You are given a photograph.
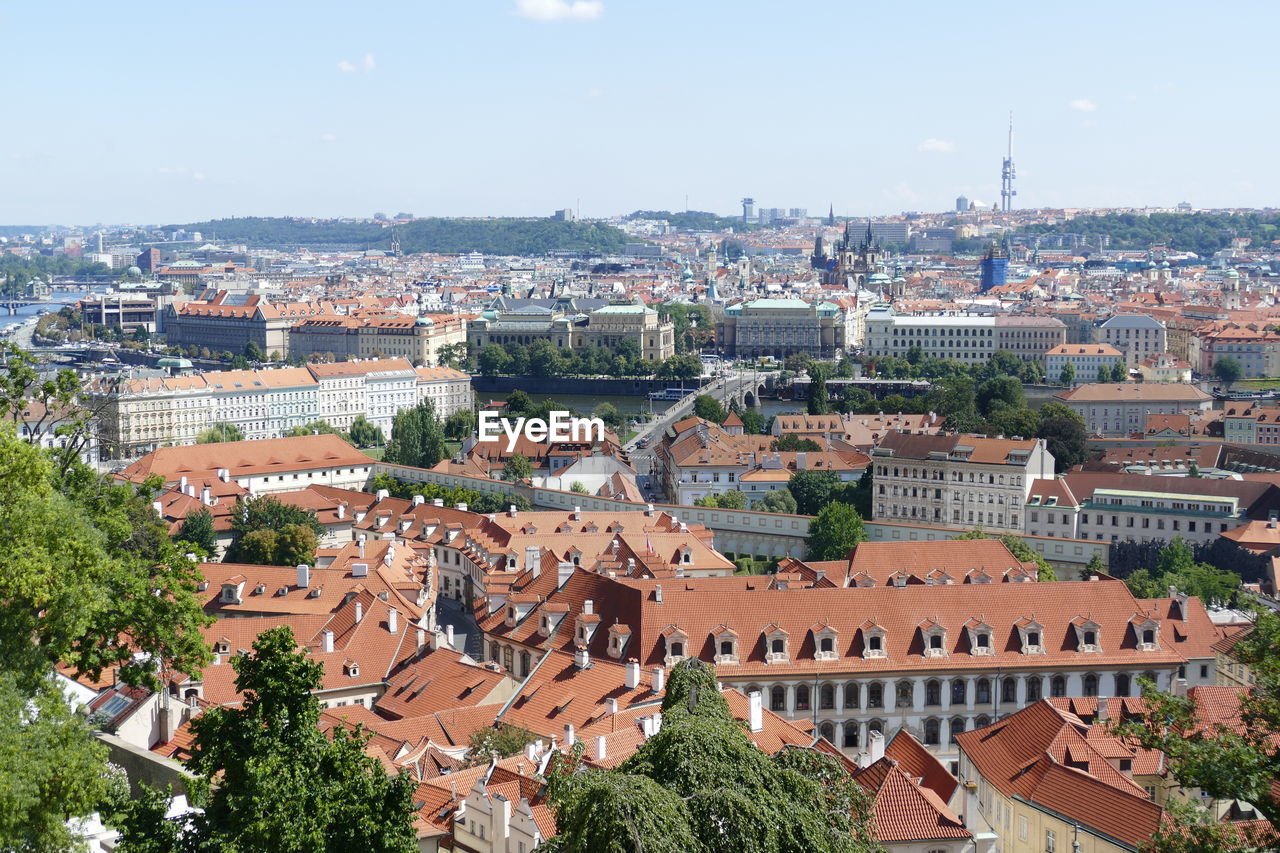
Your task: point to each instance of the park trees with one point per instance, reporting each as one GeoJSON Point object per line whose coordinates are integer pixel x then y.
{"type": "Point", "coordinates": [834, 532]}
{"type": "Point", "coordinates": [1068, 375]}
{"type": "Point", "coordinates": [417, 438]}
{"type": "Point", "coordinates": [812, 490]}
{"type": "Point", "coordinates": [197, 528]}
{"type": "Point", "coordinates": [1063, 430]}
{"type": "Point", "coordinates": [220, 432]}
{"type": "Point", "coordinates": [517, 468]}
{"type": "Point", "coordinates": [365, 434]}
{"type": "Point", "coordinates": [267, 531]}
{"type": "Point", "coordinates": [1228, 370]}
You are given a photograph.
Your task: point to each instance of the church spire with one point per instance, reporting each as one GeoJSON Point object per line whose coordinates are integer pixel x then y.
{"type": "Point", "coordinates": [831, 216]}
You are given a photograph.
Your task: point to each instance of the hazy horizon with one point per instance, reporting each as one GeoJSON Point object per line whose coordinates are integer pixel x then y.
{"type": "Point", "coordinates": [519, 107]}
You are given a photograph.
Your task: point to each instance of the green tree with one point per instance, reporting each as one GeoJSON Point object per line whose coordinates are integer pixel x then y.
{"type": "Point", "coordinates": [915, 354]}
{"type": "Point", "coordinates": [778, 500]}
{"type": "Point", "coordinates": [1068, 375]}
{"type": "Point", "coordinates": [812, 490]}
{"type": "Point", "coordinates": [417, 438]}
{"type": "Point", "coordinates": [578, 488]}
{"type": "Point", "coordinates": [518, 403]}
{"type": "Point", "coordinates": [731, 499]}
{"type": "Point", "coordinates": [265, 531]}
{"type": "Point", "coordinates": [1104, 373]}
{"type": "Point", "coordinates": [1119, 372]}
{"type": "Point", "coordinates": [1093, 567]}
{"type": "Point", "coordinates": [197, 528]}
{"type": "Point", "coordinates": [296, 544]}
{"type": "Point", "coordinates": [504, 739]}
{"type": "Point", "coordinates": [792, 441]}
{"type": "Point", "coordinates": [818, 402]}
{"type": "Point", "coordinates": [709, 408]}
{"type": "Point", "coordinates": [544, 359]}
{"type": "Point", "coordinates": [257, 547]}
{"type": "Point", "coordinates": [253, 353]}
{"type": "Point", "coordinates": [608, 413]}
{"type": "Point", "coordinates": [686, 367]}
{"type": "Point", "coordinates": [1228, 370]}
{"type": "Point", "coordinates": [269, 779]}
{"type": "Point", "coordinates": [1063, 430]}
{"type": "Point", "coordinates": [798, 362]}
{"type": "Point", "coordinates": [219, 433]}
{"type": "Point", "coordinates": [517, 468]}
{"type": "Point", "coordinates": [701, 786]}
{"type": "Point", "coordinates": [40, 406]}
{"type": "Point", "coordinates": [365, 434]}
{"type": "Point", "coordinates": [834, 532]}
{"type": "Point", "coordinates": [320, 427]}
{"type": "Point", "coordinates": [1026, 554]}
{"type": "Point", "coordinates": [459, 425]}
{"type": "Point", "coordinates": [1001, 391]}
{"type": "Point", "coordinates": [753, 422]}
{"type": "Point", "coordinates": [493, 360]}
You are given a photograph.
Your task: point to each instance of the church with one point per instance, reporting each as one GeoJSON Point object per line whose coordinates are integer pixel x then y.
{"type": "Point", "coordinates": [850, 265]}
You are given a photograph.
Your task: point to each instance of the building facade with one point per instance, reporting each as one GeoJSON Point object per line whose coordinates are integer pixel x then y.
{"type": "Point", "coordinates": [1119, 410]}
{"type": "Point", "coordinates": [1138, 336]}
{"type": "Point", "coordinates": [1085, 361]}
{"type": "Point", "coordinates": [781, 327]}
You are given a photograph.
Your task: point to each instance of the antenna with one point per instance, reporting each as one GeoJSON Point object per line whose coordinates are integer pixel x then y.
{"type": "Point", "coordinates": [1007, 174]}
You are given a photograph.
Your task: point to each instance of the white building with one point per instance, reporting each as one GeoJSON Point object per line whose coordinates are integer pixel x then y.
{"type": "Point", "coordinates": [1118, 410]}
{"type": "Point", "coordinates": [1137, 336]}
{"type": "Point", "coordinates": [1085, 360]}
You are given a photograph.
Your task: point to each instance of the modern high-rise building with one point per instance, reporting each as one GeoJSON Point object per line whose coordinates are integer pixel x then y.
{"type": "Point", "coordinates": [748, 209]}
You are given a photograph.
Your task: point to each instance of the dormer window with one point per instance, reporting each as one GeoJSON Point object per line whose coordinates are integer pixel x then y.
{"type": "Point", "coordinates": [1088, 636]}
{"type": "Point", "coordinates": [686, 556]}
{"type": "Point", "coordinates": [980, 637]}
{"type": "Point", "coordinates": [873, 640]}
{"type": "Point", "coordinates": [1031, 633]}
{"type": "Point", "coordinates": [776, 645]}
{"type": "Point", "coordinates": [1147, 632]}
{"type": "Point", "coordinates": [824, 642]}
{"type": "Point", "coordinates": [725, 642]}
{"type": "Point", "coordinates": [619, 635]}
{"type": "Point", "coordinates": [222, 647]}
{"type": "Point", "coordinates": [677, 643]}
{"type": "Point", "coordinates": [351, 668]}
{"type": "Point", "coordinates": [935, 639]}
{"type": "Point", "coordinates": [232, 592]}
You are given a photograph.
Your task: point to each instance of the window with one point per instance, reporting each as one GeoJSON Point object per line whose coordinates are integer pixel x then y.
{"type": "Point", "coordinates": [726, 648]}
{"type": "Point", "coordinates": [777, 645]}
{"type": "Point", "coordinates": [851, 692]}
{"type": "Point", "coordinates": [777, 698]}
{"type": "Point", "coordinates": [677, 649]}
{"type": "Point", "coordinates": [802, 697]}
{"type": "Point", "coordinates": [827, 698]}
{"type": "Point", "coordinates": [826, 644]}
{"type": "Point", "coordinates": [932, 732]}
{"type": "Point", "coordinates": [958, 689]}
{"type": "Point", "coordinates": [850, 734]}
{"type": "Point", "coordinates": [1034, 688]}
{"type": "Point", "coordinates": [1009, 690]}
{"type": "Point", "coordinates": [1058, 687]}
{"type": "Point", "coordinates": [1022, 828]}
{"type": "Point", "coordinates": [903, 694]}
{"type": "Point", "coordinates": [875, 695]}
{"type": "Point", "coordinates": [1050, 842]}
{"type": "Point", "coordinates": [1122, 684]}
{"type": "Point", "coordinates": [932, 693]}
{"type": "Point", "coordinates": [983, 691]}
{"type": "Point", "coordinates": [1090, 684]}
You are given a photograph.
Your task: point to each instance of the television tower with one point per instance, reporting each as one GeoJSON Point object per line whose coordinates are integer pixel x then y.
{"type": "Point", "coordinates": [1007, 174]}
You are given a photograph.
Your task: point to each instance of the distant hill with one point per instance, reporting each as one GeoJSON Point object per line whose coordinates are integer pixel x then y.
{"type": "Point", "coordinates": [449, 236]}
{"type": "Point", "coordinates": [696, 220]}
{"type": "Point", "coordinates": [1202, 233]}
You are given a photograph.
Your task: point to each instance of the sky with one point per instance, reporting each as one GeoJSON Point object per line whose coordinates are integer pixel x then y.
{"type": "Point", "coordinates": [143, 112]}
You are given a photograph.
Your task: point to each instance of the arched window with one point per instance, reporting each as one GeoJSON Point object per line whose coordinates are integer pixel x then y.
{"type": "Point", "coordinates": [826, 644]}
{"type": "Point", "coordinates": [1148, 636]}
{"type": "Point", "coordinates": [777, 645]}
{"type": "Point", "coordinates": [982, 691]}
{"type": "Point", "coordinates": [932, 692]}
{"type": "Point", "coordinates": [1009, 690]}
{"type": "Point", "coordinates": [1122, 684]}
{"type": "Point", "coordinates": [777, 698]}
{"type": "Point", "coordinates": [1057, 686]}
{"type": "Point", "coordinates": [677, 649]}
{"type": "Point", "coordinates": [827, 697]}
{"type": "Point", "coordinates": [875, 726]}
{"type": "Point", "coordinates": [851, 693]}
{"type": "Point", "coordinates": [958, 689]}
{"type": "Point", "coordinates": [875, 695]}
{"type": "Point", "coordinates": [983, 720]}
{"type": "Point", "coordinates": [1034, 688]}
{"type": "Point", "coordinates": [850, 734]}
{"type": "Point", "coordinates": [903, 694]}
{"type": "Point", "coordinates": [1090, 684]}
{"type": "Point", "coordinates": [828, 731]}
{"type": "Point", "coordinates": [956, 727]}
{"type": "Point", "coordinates": [932, 732]}
{"type": "Point", "coordinates": [802, 697]}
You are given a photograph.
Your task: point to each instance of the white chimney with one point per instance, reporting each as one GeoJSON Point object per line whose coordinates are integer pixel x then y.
{"type": "Point", "coordinates": [1180, 687]}
{"type": "Point", "coordinates": [342, 509]}
{"type": "Point", "coordinates": [532, 556]}
{"type": "Point", "coordinates": [326, 639]}
{"type": "Point", "coordinates": [577, 513]}
{"type": "Point", "coordinates": [588, 607]}
{"type": "Point", "coordinates": [755, 711]}
{"type": "Point", "coordinates": [448, 635]}
{"type": "Point", "coordinates": [569, 739]}
{"type": "Point", "coordinates": [360, 546]}
{"type": "Point", "coordinates": [581, 658]}
{"type": "Point", "coordinates": [875, 747]}
{"type": "Point", "coordinates": [1103, 710]}
{"type": "Point", "coordinates": [158, 507]}
{"type": "Point", "coordinates": [563, 572]}
{"type": "Point", "coordinates": [531, 751]}
{"type": "Point", "coordinates": [633, 675]}
{"type": "Point", "coordinates": [360, 570]}
{"type": "Point", "coordinates": [437, 501]}
{"type": "Point", "coordinates": [461, 506]}
{"type": "Point", "coordinates": [359, 612]}
{"type": "Point", "coordinates": [206, 496]}
{"type": "Point", "coordinates": [612, 704]}
{"type": "Point", "coordinates": [420, 638]}
{"type": "Point", "coordinates": [648, 509]}
{"type": "Point", "coordinates": [657, 593]}
{"type": "Point", "coordinates": [182, 483]}
{"type": "Point", "coordinates": [659, 679]}
{"type": "Point", "coordinates": [600, 746]}
{"type": "Point", "coordinates": [511, 510]}
{"type": "Point", "coordinates": [383, 494]}
{"type": "Point", "coordinates": [224, 474]}
{"type": "Point", "coordinates": [393, 621]}
{"type": "Point", "coordinates": [419, 500]}
{"type": "Point", "coordinates": [304, 576]}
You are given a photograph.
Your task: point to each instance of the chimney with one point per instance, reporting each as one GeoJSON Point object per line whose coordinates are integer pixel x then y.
{"type": "Point", "coordinates": [461, 506]}
{"type": "Point", "coordinates": [420, 638]}
{"type": "Point", "coordinates": [633, 675]}
{"type": "Point", "coordinates": [437, 501]}
{"type": "Point", "coordinates": [206, 496]}
{"type": "Point", "coordinates": [360, 546]}
{"type": "Point", "coordinates": [1103, 711]}
{"type": "Point", "coordinates": [1180, 687]}
{"type": "Point", "coordinates": [600, 746]}
{"type": "Point", "coordinates": [326, 641]}
{"type": "Point", "coordinates": [158, 507]}
{"type": "Point", "coordinates": [304, 576]}
{"type": "Point", "coordinates": [448, 635]}
{"type": "Point", "coordinates": [224, 474]}
{"type": "Point", "coordinates": [511, 510]}
{"type": "Point", "coordinates": [648, 509]}
{"type": "Point", "coordinates": [875, 747]}
{"type": "Point", "coordinates": [657, 593]}
{"type": "Point", "coordinates": [359, 612]}
{"type": "Point", "coordinates": [611, 704]}
{"type": "Point", "coordinates": [531, 751]}
{"type": "Point", "coordinates": [577, 513]}
{"type": "Point", "coordinates": [532, 557]}
{"type": "Point", "coordinates": [182, 484]}
{"type": "Point", "coordinates": [342, 509]}
{"type": "Point", "coordinates": [393, 621]}
{"type": "Point", "coordinates": [569, 738]}
{"type": "Point", "coordinates": [419, 500]}
{"type": "Point", "coordinates": [755, 711]}
{"type": "Point", "coordinates": [588, 607]}
{"type": "Point", "coordinates": [383, 494]}
{"type": "Point", "coordinates": [360, 570]}
{"type": "Point", "coordinates": [659, 679]}
{"type": "Point", "coordinates": [802, 461]}
{"type": "Point", "coordinates": [563, 572]}
{"type": "Point", "coordinates": [582, 658]}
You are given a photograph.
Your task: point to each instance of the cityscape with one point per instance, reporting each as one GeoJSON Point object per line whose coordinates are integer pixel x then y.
{"type": "Point", "coordinates": [640, 482]}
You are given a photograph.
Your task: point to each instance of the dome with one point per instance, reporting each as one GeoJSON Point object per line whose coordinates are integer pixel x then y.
{"type": "Point", "coordinates": [133, 271]}
{"type": "Point", "coordinates": [1232, 273]}
{"type": "Point", "coordinates": [878, 277]}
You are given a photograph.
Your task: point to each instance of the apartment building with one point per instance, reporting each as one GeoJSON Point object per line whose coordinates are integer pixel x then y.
{"type": "Point", "coordinates": [138, 415]}
{"type": "Point", "coordinates": [1116, 507]}
{"type": "Point", "coordinates": [448, 390]}
{"type": "Point", "coordinates": [967, 338]}
{"type": "Point", "coordinates": [1138, 336]}
{"type": "Point", "coordinates": [377, 389]}
{"type": "Point", "coordinates": [1119, 410]}
{"type": "Point", "coordinates": [227, 322]}
{"type": "Point", "coordinates": [1029, 337]}
{"type": "Point", "coordinates": [264, 403]}
{"type": "Point", "coordinates": [956, 481]}
{"type": "Point", "coordinates": [1165, 367]}
{"type": "Point", "coordinates": [1256, 348]}
{"type": "Point", "coordinates": [1085, 359]}
{"type": "Point", "coordinates": [129, 312]}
